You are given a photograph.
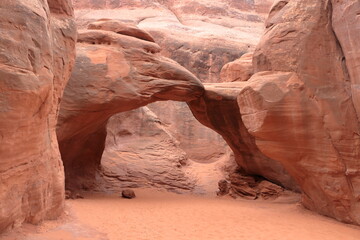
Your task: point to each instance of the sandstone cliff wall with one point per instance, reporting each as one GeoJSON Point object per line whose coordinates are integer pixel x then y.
{"type": "Point", "coordinates": [37, 50]}
{"type": "Point", "coordinates": [300, 106]}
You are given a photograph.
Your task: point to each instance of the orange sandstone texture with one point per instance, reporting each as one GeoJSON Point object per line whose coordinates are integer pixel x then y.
{"type": "Point", "coordinates": [300, 106]}
{"type": "Point", "coordinates": [218, 109]}
{"type": "Point", "coordinates": [141, 151]}
{"type": "Point", "coordinates": [309, 121]}
{"type": "Point", "coordinates": [37, 49]}
{"type": "Point", "coordinates": [113, 73]}
{"type": "Point", "coordinates": [239, 70]}
{"type": "Point", "coordinates": [201, 35]}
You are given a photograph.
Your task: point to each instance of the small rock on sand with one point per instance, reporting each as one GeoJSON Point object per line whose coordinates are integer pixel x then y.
{"type": "Point", "coordinates": [128, 193]}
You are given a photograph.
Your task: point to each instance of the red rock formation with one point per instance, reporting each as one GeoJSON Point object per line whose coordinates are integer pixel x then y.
{"type": "Point", "coordinates": [200, 143]}
{"type": "Point", "coordinates": [37, 49]}
{"type": "Point", "coordinates": [218, 109]}
{"type": "Point", "coordinates": [141, 151]}
{"type": "Point", "coordinates": [345, 22]}
{"type": "Point", "coordinates": [300, 106]}
{"type": "Point", "coordinates": [238, 70]}
{"type": "Point", "coordinates": [298, 112]}
{"type": "Point", "coordinates": [113, 73]}
{"type": "Point", "coordinates": [121, 28]}
{"type": "Point", "coordinates": [162, 145]}
{"type": "Point", "coordinates": [200, 35]}
{"type": "Point", "coordinates": [309, 110]}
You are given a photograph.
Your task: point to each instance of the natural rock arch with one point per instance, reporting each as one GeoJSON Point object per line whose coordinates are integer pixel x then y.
{"type": "Point", "coordinates": [300, 107]}
{"type": "Point", "coordinates": [327, 95]}
{"type": "Point", "coordinates": [113, 73]}
{"type": "Point", "coordinates": [271, 111]}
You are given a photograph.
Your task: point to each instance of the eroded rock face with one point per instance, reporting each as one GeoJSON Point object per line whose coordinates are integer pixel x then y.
{"type": "Point", "coordinates": [310, 124]}
{"type": "Point", "coordinates": [200, 35]}
{"type": "Point", "coordinates": [218, 109]}
{"type": "Point", "coordinates": [345, 22]}
{"type": "Point", "coordinates": [252, 187]}
{"type": "Point", "coordinates": [200, 143]}
{"type": "Point", "coordinates": [300, 105]}
{"type": "Point", "coordinates": [141, 151]}
{"type": "Point", "coordinates": [37, 49]}
{"type": "Point", "coordinates": [113, 73]}
{"type": "Point", "coordinates": [239, 70]}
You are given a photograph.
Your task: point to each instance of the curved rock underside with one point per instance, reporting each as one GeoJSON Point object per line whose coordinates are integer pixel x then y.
{"type": "Point", "coordinates": [218, 109]}
{"type": "Point", "coordinates": [200, 35]}
{"type": "Point", "coordinates": [37, 50]}
{"type": "Point", "coordinates": [144, 150]}
{"type": "Point", "coordinates": [113, 73]}
{"type": "Point", "coordinates": [300, 107]}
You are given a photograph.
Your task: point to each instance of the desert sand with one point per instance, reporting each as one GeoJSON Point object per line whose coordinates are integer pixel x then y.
{"type": "Point", "coordinates": [158, 214]}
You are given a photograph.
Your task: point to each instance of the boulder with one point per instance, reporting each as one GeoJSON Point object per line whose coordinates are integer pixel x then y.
{"type": "Point", "coordinates": [128, 193]}
{"type": "Point", "coordinates": [223, 187]}
{"type": "Point", "coordinates": [252, 187]}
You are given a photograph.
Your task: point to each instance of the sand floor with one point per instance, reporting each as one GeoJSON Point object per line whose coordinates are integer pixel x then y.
{"type": "Point", "coordinates": [162, 215]}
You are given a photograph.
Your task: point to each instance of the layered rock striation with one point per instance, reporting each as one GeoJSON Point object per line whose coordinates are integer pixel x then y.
{"type": "Point", "coordinates": [218, 109]}
{"type": "Point", "coordinates": [141, 151]}
{"type": "Point", "coordinates": [37, 51]}
{"type": "Point", "coordinates": [200, 35]}
{"type": "Point", "coordinates": [113, 73]}
{"type": "Point", "coordinates": [294, 121]}
{"type": "Point", "coordinates": [300, 108]}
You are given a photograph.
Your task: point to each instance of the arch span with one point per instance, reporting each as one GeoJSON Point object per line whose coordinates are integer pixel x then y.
{"type": "Point", "coordinates": [113, 73]}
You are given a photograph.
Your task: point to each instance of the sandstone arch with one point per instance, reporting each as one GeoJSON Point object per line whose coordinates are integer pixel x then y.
{"type": "Point", "coordinates": [113, 73]}
{"type": "Point", "coordinates": [300, 106]}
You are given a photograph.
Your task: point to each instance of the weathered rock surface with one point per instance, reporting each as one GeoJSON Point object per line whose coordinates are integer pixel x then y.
{"type": "Point", "coordinates": [299, 107]}
{"type": "Point", "coordinates": [113, 73]}
{"type": "Point", "coordinates": [37, 49]}
{"type": "Point", "coordinates": [144, 150]}
{"type": "Point", "coordinates": [140, 151]}
{"type": "Point", "coordinates": [200, 35]}
{"type": "Point", "coordinates": [306, 119]}
{"type": "Point", "coordinates": [345, 22]}
{"type": "Point", "coordinates": [239, 70]}
{"type": "Point", "coordinates": [200, 143]}
{"type": "Point", "coordinates": [218, 109]}
{"type": "Point", "coordinates": [252, 187]}
{"type": "Point", "coordinates": [224, 188]}
{"type": "Point", "coordinates": [121, 28]}
{"type": "Point", "coordinates": [128, 193]}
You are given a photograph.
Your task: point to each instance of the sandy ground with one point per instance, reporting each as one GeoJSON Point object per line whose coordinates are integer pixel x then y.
{"type": "Point", "coordinates": [162, 215]}
{"type": "Point", "coordinates": [207, 175]}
